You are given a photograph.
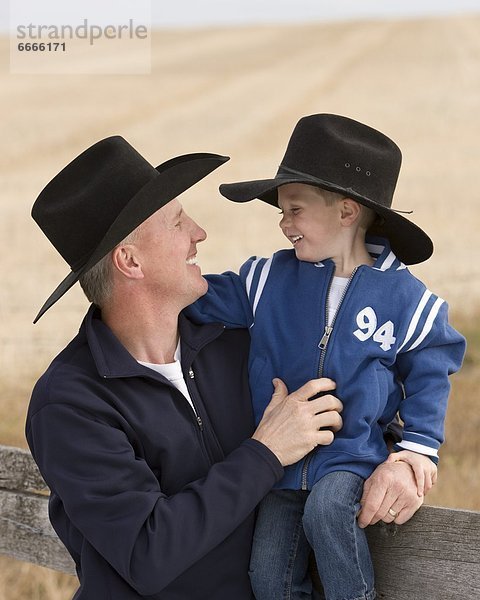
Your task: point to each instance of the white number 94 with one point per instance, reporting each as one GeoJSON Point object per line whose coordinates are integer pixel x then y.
{"type": "Point", "coordinates": [367, 327]}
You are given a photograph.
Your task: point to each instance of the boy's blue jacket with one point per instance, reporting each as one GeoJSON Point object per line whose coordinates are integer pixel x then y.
{"type": "Point", "coordinates": [391, 349]}
{"type": "Point", "coordinates": [151, 499]}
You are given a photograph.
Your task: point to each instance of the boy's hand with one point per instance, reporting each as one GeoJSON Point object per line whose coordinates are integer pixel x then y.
{"type": "Point", "coordinates": [424, 468]}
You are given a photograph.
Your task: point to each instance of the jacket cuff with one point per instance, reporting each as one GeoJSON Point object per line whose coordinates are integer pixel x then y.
{"type": "Point", "coordinates": [393, 432]}
{"type": "Point", "coordinates": [267, 456]}
{"type": "Point", "coordinates": [398, 448]}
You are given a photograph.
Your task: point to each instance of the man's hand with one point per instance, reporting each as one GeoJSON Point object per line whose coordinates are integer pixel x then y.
{"type": "Point", "coordinates": [424, 469]}
{"type": "Point", "coordinates": [389, 494]}
{"type": "Point", "coordinates": [292, 425]}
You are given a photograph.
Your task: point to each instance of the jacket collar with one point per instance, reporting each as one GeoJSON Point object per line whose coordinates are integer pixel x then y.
{"type": "Point", "coordinates": [379, 249]}
{"type": "Point", "coordinates": [113, 360]}
{"type": "Point", "coordinates": [385, 259]}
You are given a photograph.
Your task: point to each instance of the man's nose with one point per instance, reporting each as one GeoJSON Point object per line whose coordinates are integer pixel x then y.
{"type": "Point", "coordinates": [199, 234]}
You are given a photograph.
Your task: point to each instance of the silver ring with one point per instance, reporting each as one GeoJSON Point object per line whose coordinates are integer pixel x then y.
{"type": "Point", "coordinates": [392, 512]}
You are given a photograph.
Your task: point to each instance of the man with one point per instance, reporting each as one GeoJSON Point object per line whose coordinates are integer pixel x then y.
{"type": "Point", "coordinates": [142, 426]}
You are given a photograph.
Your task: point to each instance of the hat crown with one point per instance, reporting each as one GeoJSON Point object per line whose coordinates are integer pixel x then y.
{"type": "Point", "coordinates": [77, 207]}
{"type": "Point", "coordinates": [341, 155]}
{"type": "Point", "coordinates": [345, 153]}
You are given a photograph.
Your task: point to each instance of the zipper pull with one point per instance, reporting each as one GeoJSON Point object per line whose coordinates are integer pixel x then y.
{"type": "Point", "coordinates": [326, 336]}
{"type": "Point", "coordinates": [200, 422]}
{"type": "Point", "coordinates": [191, 374]}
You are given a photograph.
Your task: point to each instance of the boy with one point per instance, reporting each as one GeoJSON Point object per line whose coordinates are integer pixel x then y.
{"type": "Point", "coordinates": [341, 304]}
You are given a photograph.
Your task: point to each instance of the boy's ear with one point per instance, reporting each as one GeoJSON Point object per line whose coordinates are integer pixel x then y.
{"type": "Point", "coordinates": [349, 212]}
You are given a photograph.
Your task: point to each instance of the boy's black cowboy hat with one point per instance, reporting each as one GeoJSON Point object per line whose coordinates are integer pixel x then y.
{"type": "Point", "coordinates": [344, 156]}
{"type": "Point", "coordinates": [103, 195]}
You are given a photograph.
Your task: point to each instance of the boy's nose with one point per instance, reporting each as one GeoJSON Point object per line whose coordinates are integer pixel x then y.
{"type": "Point", "coordinates": [283, 221]}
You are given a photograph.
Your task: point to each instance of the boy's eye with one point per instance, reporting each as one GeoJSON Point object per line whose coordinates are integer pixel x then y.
{"type": "Point", "coordinates": [292, 211]}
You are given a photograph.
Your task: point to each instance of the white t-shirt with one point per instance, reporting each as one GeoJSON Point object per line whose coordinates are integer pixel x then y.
{"type": "Point", "coordinates": [337, 288]}
{"type": "Point", "coordinates": [172, 372]}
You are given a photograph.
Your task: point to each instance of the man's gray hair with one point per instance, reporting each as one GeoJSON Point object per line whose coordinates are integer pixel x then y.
{"type": "Point", "coordinates": [97, 282]}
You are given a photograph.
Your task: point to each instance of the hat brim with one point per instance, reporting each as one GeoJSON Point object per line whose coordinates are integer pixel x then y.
{"type": "Point", "coordinates": [408, 241]}
{"type": "Point", "coordinates": [174, 177]}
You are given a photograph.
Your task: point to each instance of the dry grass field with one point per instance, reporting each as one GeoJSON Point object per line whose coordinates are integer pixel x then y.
{"type": "Point", "coordinates": [240, 92]}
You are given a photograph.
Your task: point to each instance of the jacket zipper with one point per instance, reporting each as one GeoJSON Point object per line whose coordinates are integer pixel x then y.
{"type": "Point", "coordinates": [198, 418]}
{"type": "Point", "coordinates": [211, 438]}
{"type": "Point", "coordinates": [323, 351]}
{"type": "Point", "coordinates": [329, 328]}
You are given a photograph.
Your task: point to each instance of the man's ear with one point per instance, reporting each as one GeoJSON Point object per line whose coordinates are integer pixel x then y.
{"type": "Point", "coordinates": [125, 260]}
{"type": "Point", "coordinates": [349, 212]}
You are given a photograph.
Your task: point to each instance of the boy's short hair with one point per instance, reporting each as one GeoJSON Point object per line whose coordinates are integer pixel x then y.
{"type": "Point", "coordinates": [329, 197]}
{"type": "Point", "coordinates": [367, 216]}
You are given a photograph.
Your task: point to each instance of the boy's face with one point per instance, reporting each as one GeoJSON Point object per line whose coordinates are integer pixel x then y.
{"type": "Point", "coordinates": [309, 222]}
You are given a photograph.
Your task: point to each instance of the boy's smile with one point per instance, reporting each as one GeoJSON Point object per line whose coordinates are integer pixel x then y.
{"type": "Point", "coordinates": [295, 238]}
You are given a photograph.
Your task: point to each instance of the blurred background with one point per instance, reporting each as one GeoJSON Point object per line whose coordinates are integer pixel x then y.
{"type": "Point", "coordinates": [234, 78]}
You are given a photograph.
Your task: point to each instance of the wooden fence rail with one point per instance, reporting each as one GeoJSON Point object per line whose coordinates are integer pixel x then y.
{"type": "Point", "coordinates": [435, 556]}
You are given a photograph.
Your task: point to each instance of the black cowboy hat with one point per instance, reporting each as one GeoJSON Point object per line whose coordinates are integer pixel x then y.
{"type": "Point", "coordinates": [342, 155]}
{"type": "Point", "coordinates": [103, 195]}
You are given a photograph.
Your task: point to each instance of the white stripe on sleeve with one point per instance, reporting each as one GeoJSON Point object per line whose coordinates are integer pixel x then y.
{"type": "Point", "coordinates": [419, 448]}
{"type": "Point", "coordinates": [416, 317]}
{"type": "Point", "coordinates": [261, 283]}
{"type": "Point", "coordinates": [428, 323]}
{"type": "Point", "coordinates": [251, 273]}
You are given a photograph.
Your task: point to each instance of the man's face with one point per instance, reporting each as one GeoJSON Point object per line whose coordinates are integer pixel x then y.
{"type": "Point", "coordinates": [167, 249]}
{"type": "Point", "coordinates": [310, 223]}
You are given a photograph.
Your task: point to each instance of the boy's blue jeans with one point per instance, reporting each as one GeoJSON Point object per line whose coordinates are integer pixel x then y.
{"type": "Point", "coordinates": [291, 522]}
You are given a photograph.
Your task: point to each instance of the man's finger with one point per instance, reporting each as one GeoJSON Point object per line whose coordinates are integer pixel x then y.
{"type": "Point", "coordinates": [390, 503]}
{"type": "Point", "coordinates": [370, 502]}
{"type": "Point", "coordinates": [313, 387]}
{"type": "Point", "coordinates": [407, 512]}
{"type": "Point", "coordinates": [325, 404]}
{"type": "Point", "coordinates": [324, 437]}
{"type": "Point", "coordinates": [280, 390]}
{"type": "Point", "coordinates": [330, 419]}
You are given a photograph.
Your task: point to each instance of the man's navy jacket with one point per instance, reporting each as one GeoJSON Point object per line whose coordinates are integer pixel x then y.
{"type": "Point", "coordinates": [151, 499]}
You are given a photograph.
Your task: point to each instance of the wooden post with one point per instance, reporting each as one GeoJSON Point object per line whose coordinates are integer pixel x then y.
{"type": "Point", "coordinates": [25, 531]}
{"type": "Point", "coordinates": [435, 556]}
